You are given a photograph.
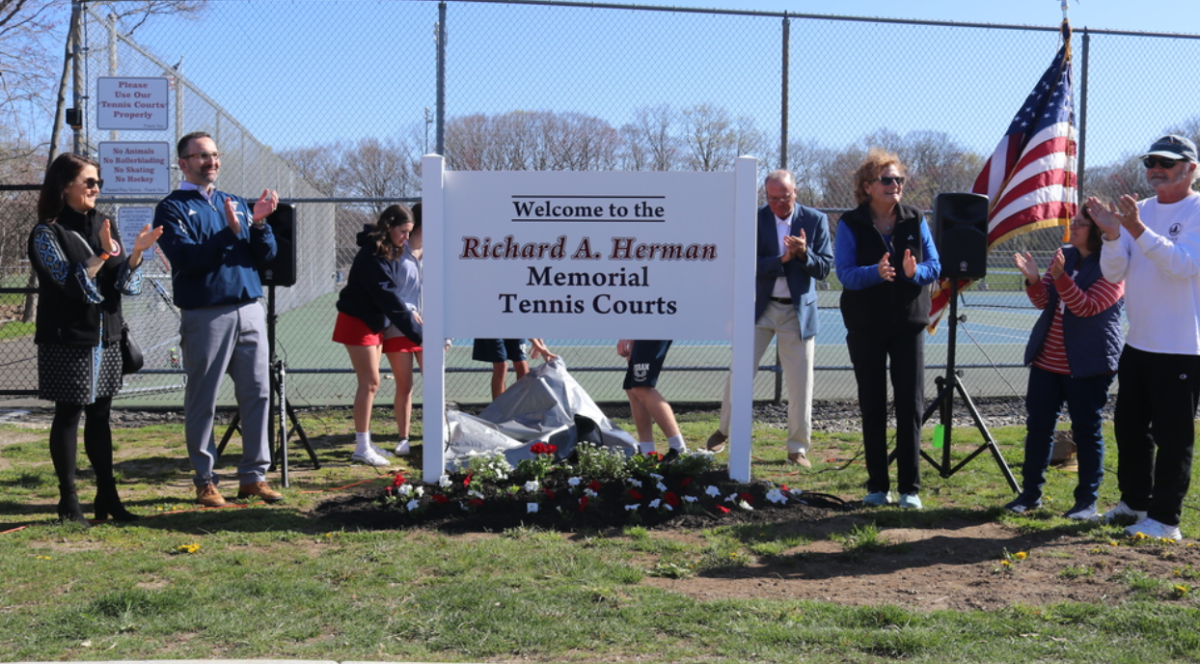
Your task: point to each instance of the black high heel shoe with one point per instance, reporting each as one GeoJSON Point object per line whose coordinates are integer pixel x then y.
{"type": "Point", "coordinates": [68, 510]}
{"type": "Point", "coordinates": [108, 503]}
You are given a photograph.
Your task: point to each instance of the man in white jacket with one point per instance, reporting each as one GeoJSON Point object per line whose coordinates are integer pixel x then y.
{"type": "Point", "coordinates": [1154, 245]}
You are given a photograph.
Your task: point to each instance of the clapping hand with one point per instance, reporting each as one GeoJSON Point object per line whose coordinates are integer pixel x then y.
{"type": "Point", "coordinates": [1106, 217]}
{"type": "Point", "coordinates": [885, 268]}
{"type": "Point", "coordinates": [910, 264]}
{"type": "Point", "coordinates": [1028, 267]}
{"type": "Point", "coordinates": [146, 238]}
{"type": "Point", "coordinates": [1057, 264]}
{"type": "Point", "coordinates": [265, 205]}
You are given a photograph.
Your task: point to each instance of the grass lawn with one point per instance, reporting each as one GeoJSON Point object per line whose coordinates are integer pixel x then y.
{"type": "Point", "coordinates": [256, 581]}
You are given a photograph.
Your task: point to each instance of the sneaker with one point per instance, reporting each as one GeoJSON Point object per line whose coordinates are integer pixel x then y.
{"type": "Point", "coordinates": [380, 451]}
{"type": "Point", "coordinates": [671, 455]}
{"type": "Point", "coordinates": [261, 490]}
{"type": "Point", "coordinates": [716, 442]}
{"type": "Point", "coordinates": [1083, 513]}
{"type": "Point", "coordinates": [370, 458]}
{"type": "Point", "coordinates": [403, 448]}
{"type": "Point", "coordinates": [1123, 512]}
{"type": "Point", "coordinates": [800, 459]}
{"type": "Point", "coordinates": [1154, 530]}
{"type": "Point", "coordinates": [208, 496]}
{"type": "Point", "coordinates": [1022, 505]}
{"type": "Point", "coordinates": [910, 501]}
{"type": "Point", "coordinates": [878, 499]}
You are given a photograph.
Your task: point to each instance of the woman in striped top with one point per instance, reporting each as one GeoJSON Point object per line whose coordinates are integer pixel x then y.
{"type": "Point", "coordinates": [1073, 353]}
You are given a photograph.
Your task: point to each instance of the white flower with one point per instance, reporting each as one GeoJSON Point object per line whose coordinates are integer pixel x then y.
{"type": "Point", "coordinates": [731, 498]}
{"type": "Point", "coordinates": [776, 496]}
{"type": "Point", "coordinates": [669, 508]}
{"type": "Point", "coordinates": [661, 487]}
{"type": "Point", "coordinates": [531, 486]}
{"type": "Point", "coordinates": [656, 476]}
{"type": "Point", "coordinates": [690, 499]}
{"type": "Point", "coordinates": [420, 491]}
{"type": "Point", "coordinates": [589, 493]}
{"type": "Point", "coordinates": [574, 481]}
{"type": "Point", "coordinates": [630, 508]}
{"type": "Point", "coordinates": [712, 491]}
{"type": "Point", "coordinates": [655, 503]}
{"type": "Point", "coordinates": [531, 507]}
{"type": "Point", "coordinates": [745, 505]}
{"type": "Point", "coordinates": [635, 482]}
{"type": "Point", "coordinates": [444, 481]}
{"type": "Point", "coordinates": [474, 494]}
{"type": "Point", "coordinates": [412, 505]}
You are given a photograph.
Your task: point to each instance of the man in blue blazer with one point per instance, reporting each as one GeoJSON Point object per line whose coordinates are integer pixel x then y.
{"type": "Point", "coordinates": [794, 250]}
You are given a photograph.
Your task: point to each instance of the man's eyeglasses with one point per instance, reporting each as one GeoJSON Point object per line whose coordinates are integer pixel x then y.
{"type": "Point", "coordinates": [889, 181]}
{"type": "Point", "coordinates": [1165, 162]}
{"type": "Point", "coordinates": [781, 199]}
{"type": "Point", "coordinates": [93, 182]}
{"type": "Point", "coordinates": [205, 156]}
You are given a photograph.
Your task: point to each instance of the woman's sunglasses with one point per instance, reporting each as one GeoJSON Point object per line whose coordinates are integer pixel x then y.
{"type": "Point", "coordinates": [889, 181]}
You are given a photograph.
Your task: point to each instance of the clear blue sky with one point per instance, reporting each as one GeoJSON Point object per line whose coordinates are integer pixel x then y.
{"type": "Point", "coordinates": [314, 76]}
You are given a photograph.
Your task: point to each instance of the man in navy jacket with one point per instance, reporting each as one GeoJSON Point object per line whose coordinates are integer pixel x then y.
{"type": "Point", "coordinates": [216, 242]}
{"type": "Point", "coordinates": [794, 250]}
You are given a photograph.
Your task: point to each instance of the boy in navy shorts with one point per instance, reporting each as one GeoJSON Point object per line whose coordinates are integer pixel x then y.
{"type": "Point", "coordinates": [647, 406]}
{"type": "Point", "coordinates": [500, 351]}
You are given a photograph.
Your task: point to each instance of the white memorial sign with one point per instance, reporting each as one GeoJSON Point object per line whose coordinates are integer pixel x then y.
{"type": "Point", "coordinates": [135, 167]}
{"type": "Point", "coordinates": [132, 103]}
{"type": "Point", "coordinates": [586, 255]}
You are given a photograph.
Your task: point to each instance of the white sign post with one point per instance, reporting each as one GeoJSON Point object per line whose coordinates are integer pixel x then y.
{"type": "Point", "coordinates": [132, 103]}
{"type": "Point", "coordinates": [135, 167]}
{"type": "Point", "coordinates": [632, 255]}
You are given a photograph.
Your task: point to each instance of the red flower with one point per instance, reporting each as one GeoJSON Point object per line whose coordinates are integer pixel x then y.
{"type": "Point", "coordinates": [746, 497]}
{"type": "Point", "coordinates": [467, 480]}
{"type": "Point", "coordinates": [654, 455]}
{"type": "Point", "coordinates": [671, 499]}
{"type": "Point", "coordinates": [583, 503]}
{"type": "Point", "coordinates": [724, 510]}
{"type": "Point", "coordinates": [594, 485]}
{"type": "Point", "coordinates": [686, 481]}
{"type": "Point", "coordinates": [549, 493]}
{"type": "Point", "coordinates": [440, 499]}
{"type": "Point", "coordinates": [478, 502]}
{"type": "Point", "coordinates": [784, 487]}
{"type": "Point", "coordinates": [543, 448]}
{"type": "Point", "coordinates": [635, 495]}
{"type": "Point", "coordinates": [398, 480]}
{"type": "Point", "coordinates": [389, 491]}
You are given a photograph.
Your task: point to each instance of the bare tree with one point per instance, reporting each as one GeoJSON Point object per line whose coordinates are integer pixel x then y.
{"type": "Point", "coordinates": [321, 167]}
{"type": "Point", "coordinates": [381, 169]}
{"type": "Point", "coordinates": [649, 144]}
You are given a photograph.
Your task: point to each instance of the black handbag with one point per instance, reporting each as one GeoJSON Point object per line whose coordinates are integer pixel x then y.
{"type": "Point", "coordinates": [131, 356]}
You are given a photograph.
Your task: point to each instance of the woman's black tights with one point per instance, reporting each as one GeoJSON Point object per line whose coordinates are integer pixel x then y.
{"type": "Point", "coordinates": [97, 442]}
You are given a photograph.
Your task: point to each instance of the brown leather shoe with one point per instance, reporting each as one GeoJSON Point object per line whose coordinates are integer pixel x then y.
{"type": "Point", "coordinates": [800, 459]}
{"type": "Point", "coordinates": [261, 490]}
{"type": "Point", "coordinates": [716, 442]}
{"type": "Point", "coordinates": [208, 496]}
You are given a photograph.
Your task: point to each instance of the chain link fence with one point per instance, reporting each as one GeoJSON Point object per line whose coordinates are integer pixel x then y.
{"type": "Point", "coordinates": [575, 86]}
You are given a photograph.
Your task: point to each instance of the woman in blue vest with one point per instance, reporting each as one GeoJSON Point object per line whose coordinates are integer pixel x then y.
{"type": "Point", "coordinates": [82, 271]}
{"type": "Point", "coordinates": [886, 260]}
{"type": "Point", "coordinates": [1072, 356]}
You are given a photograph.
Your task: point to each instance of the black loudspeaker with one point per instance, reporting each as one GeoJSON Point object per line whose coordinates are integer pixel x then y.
{"type": "Point", "coordinates": [281, 270]}
{"type": "Point", "coordinates": [960, 228]}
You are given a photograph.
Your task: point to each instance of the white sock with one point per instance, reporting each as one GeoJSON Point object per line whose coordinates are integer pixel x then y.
{"type": "Point", "coordinates": [362, 442]}
{"type": "Point", "coordinates": [646, 447]}
{"type": "Point", "coordinates": [676, 443]}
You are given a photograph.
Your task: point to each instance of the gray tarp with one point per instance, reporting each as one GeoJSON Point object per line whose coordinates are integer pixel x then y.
{"type": "Point", "coordinates": [546, 405]}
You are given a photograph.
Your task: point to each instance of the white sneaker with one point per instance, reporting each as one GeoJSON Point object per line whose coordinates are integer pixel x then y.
{"type": "Point", "coordinates": [1123, 511]}
{"type": "Point", "coordinates": [403, 449]}
{"type": "Point", "coordinates": [370, 458]}
{"type": "Point", "coordinates": [1154, 530]}
{"type": "Point", "coordinates": [381, 452]}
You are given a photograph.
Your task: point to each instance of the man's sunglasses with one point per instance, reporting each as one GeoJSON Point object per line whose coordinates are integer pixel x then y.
{"type": "Point", "coordinates": [1165, 162]}
{"type": "Point", "coordinates": [889, 181]}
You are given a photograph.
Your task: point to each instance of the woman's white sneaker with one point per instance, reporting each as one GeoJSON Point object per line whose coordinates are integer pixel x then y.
{"type": "Point", "coordinates": [370, 458]}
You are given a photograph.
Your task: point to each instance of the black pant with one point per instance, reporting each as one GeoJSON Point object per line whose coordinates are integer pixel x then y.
{"type": "Point", "coordinates": [1156, 409]}
{"type": "Point", "coordinates": [97, 441]}
{"type": "Point", "coordinates": [869, 353]}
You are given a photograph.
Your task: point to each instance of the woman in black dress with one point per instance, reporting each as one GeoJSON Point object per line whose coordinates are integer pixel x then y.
{"type": "Point", "coordinates": [82, 271]}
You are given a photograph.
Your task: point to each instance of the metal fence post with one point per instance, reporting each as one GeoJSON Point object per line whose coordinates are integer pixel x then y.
{"type": "Point", "coordinates": [783, 94]}
{"type": "Point", "coordinates": [1083, 95]}
{"type": "Point", "coordinates": [441, 79]}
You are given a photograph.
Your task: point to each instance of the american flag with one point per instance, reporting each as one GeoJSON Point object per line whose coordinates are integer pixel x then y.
{"type": "Point", "coordinates": [1030, 177]}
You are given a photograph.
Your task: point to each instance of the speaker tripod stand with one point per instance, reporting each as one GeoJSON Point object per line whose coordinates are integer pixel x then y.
{"type": "Point", "coordinates": [948, 385]}
{"type": "Point", "coordinates": [279, 410]}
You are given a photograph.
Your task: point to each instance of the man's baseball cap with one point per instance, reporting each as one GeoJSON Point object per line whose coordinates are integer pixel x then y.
{"type": "Point", "coordinates": [1173, 147]}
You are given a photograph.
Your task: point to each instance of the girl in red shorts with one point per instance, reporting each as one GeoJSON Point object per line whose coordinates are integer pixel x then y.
{"type": "Point", "coordinates": [378, 314]}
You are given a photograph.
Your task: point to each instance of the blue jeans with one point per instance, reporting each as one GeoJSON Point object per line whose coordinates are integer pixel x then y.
{"type": "Point", "coordinates": [1085, 398]}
